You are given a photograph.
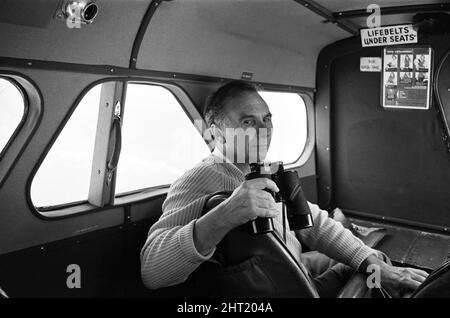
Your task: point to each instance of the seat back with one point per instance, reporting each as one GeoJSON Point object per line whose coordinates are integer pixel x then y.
{"type": "Point", "coordinates": [247, 265]}
{"type": "Point", "coordinates": [437, 284]}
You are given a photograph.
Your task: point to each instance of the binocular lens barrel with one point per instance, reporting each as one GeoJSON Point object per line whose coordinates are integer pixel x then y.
{"type": "Point", "coordinates": [299, 214]}
{"type": "Point", "coordinates": [291, 193]}
{"type": "Point", "coordinates": [261, 226]}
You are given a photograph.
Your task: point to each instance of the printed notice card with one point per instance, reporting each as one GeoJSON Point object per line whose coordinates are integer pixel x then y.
{"type": "Point", "coordinates": [406, 77]}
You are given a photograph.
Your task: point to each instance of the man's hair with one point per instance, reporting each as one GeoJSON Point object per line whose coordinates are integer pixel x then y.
{"type": "Point", "coordinates": [215, 103]}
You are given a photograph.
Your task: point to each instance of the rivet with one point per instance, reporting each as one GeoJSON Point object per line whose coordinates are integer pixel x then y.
{"type": "Point", "coordinates": [326, 107]}
{"type": "Point", "coordinates": [327, 148]}
{"type": "Point", "coordinates": [30, 63]}
{"type": "Point", "coordinates": [98, 171]}
{"type": "Point", "coordinates": [111, 70]}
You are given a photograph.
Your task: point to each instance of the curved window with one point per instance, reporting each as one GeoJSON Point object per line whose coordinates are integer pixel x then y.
{"type": "Point", "coordinates": [64, 175]}
{"type": "Point", "coordinates": [290, 126]}
{"type": "Point", "coordinates": [159, 141]}
{"type": "Point", "coordinates": [158, 144]}
{"type": "Point", "coordinates": [12, 109]}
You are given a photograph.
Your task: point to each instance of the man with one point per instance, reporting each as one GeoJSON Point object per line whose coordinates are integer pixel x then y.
{"type": "Point", "coordinates": [182, 239]}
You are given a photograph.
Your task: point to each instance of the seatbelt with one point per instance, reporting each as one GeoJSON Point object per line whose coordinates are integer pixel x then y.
{"type": "Point", "coordinates": [440, 109]}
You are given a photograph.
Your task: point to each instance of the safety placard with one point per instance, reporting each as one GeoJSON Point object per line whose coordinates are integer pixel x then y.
{"type": "Point", "coordinates": [390, 35]}
{"type": "Point", "coordinates": [370, 64]}
{"type": "Point", "coordinates": [406, 77]}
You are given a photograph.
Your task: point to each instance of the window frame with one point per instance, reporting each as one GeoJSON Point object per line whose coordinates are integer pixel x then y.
{"type": "Point", "coordinates": [190, 111]}
{"type": "Point", "coordinates": [81, 207]}
{"type": "Point", "coordinates": [308, 148]}
{"type": "Point", "coordinates": [31, 118]}
{"type": "Point", "coordinates": [22, 119]}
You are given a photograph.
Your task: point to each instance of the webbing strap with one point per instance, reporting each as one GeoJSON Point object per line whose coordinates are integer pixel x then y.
{"type": "Point", "coordinates": [440, 89]}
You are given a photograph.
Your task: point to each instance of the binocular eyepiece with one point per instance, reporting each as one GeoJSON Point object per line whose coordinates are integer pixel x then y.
{"type": "Point", "coordinates": [291, 194]}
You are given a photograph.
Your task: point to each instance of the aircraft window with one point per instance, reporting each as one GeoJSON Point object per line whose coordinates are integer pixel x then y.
{"type": "Point", "coordinates": [12, 109]}
{"type": "Point", "coordinates": [289, 118]}
{"type": "Point", "coordinates": [64, 175]}
{"type": "Point", "coordinates": [159, 141]}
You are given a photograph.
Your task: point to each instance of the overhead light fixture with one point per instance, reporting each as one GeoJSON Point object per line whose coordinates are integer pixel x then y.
{"type": "Point", "coordinates": [73, 11]}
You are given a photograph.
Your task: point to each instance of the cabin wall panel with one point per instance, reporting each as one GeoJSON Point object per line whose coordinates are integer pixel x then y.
{"type": "Point", "coordinates": [20, 227]}
{"type": "Point", "coordinates": [386, 163]}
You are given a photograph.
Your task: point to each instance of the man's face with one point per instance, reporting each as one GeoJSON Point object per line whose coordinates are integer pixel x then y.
{"type": "Point", "coordinates": [247, 128]}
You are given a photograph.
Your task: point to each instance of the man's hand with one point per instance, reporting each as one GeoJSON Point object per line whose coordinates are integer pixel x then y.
{"type": "Point", "coordinates": [397, 281]}
{"type": "Point", "coordinates": [246, 203]}
{"type": "Point", "coordinates": [249, 201]}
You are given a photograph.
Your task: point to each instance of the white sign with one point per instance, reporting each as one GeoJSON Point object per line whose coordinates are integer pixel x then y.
{"type": "Point", "coordinates": [390, 35]}
{"type": "Point", "coordinates": [370, 64]}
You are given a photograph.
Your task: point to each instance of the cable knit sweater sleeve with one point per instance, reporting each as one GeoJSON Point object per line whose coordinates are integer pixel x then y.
{"type": "Point", "coordinates": [332, 239]}
{"type": "Point", "coordinates": [169, 255]}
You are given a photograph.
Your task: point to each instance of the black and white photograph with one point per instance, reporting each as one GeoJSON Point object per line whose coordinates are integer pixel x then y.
{"type": "Point", "coordinates": [421, 62]}
{"type": "Point", "coordinates": [406, 77]}
{"type": "Point", "coordinates": [391, 61]}
{"type": "Point", "coordinates": [224, 156]}
{"type": "Point", "coordinates": [406, 61]}
{"type": "Point", "coordinates": [421, 78]}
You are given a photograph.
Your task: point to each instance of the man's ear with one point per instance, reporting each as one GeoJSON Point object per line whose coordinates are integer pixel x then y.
{"type": "Point", "coordinates": [217, 134]}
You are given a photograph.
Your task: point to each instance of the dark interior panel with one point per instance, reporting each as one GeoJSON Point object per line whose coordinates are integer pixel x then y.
{"type": "Point", "coordinates": [389, 163]}
{"type": "Point", "coordinates": [41, 271]}
{"type": "Point", "coordinates": [108, 259]}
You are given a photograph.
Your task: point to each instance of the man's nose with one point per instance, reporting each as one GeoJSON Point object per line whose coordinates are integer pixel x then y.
{"type": "Point", "coordinates": [264, 129]}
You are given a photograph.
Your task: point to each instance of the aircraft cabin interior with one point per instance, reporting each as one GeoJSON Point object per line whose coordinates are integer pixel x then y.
{"type": "Point", "coordinates": [102, 109]}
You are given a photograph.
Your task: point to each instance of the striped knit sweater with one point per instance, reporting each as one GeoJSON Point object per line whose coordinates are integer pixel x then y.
{"type": "Point", "coordinates": [169, 255]}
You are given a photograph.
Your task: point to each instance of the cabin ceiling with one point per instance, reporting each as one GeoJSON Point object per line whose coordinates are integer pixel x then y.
{"type": "Point", "coordinates": [276, 40]}
{"type": "Point", "coordinates": [346, 5]}
{"type": "Point", "coordinates": [106, 41]}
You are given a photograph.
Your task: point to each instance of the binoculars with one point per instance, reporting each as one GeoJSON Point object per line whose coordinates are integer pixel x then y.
{"type": "Point", "coordinates": [291, 194]}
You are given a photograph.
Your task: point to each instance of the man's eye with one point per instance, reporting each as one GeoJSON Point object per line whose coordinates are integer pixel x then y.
{"type": "Point", "coordinates": [268, 119]}
{"type": "Point", "coordinates": [249, 122]}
